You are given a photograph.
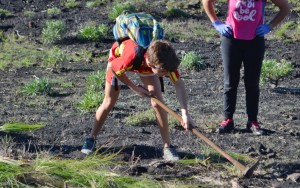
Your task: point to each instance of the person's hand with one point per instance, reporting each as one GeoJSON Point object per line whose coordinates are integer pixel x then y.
{"type": "Point", "coordinates": [187, 122]}
{"type": "Point", "coordinates": [142, 91]}
{"type": "Point", "coordinates": [263, 29]}
{"type": "Point", "coordinates": [223, 29]}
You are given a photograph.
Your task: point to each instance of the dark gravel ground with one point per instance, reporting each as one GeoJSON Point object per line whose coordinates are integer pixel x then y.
{"type": "Point", "coordinates": [66, 126]}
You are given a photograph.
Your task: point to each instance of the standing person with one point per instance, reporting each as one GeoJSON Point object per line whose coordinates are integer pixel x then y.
{"type": "Point", "coordinates": [159, 60]}
{"type": "Point", "coordinates": [243, 41]}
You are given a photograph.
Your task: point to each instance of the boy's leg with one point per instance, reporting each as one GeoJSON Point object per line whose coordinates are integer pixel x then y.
{"type": "Point", "coordinates": [152, 83]}
{"type": "Point", "coordinates": [111, 96]}
{"type": "Point", "coordinates": [109, 101]}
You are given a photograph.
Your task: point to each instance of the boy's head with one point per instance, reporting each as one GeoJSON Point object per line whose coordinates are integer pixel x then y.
{"type": "Point", "coordinates": [161, 56]}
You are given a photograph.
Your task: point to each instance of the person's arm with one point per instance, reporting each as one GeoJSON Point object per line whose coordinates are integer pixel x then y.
{"type": "Point", "coordinates": [182, 98]}
{"type": "Point", "coordinates": [222, 28]}
{"type": "Point", "coordinates": [209, 9]}
{"type": "Point", "coordinates": [140, 91]}
{"type": "Point", "coordinates": [284, 9]}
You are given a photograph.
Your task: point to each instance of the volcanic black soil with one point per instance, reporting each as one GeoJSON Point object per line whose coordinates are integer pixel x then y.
{"type": "Point", "coordinates": [66, 127]}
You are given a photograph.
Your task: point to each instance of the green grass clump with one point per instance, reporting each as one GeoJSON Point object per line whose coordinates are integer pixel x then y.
{"type": "Point", "coordinates": [4, 13]}
{"type": "Point", "coordinates": [53, 11]}
{"type": "Point", "coordinates": [282, 32]}
{"type": "Point", "coordinates": [93, 33]}
{"type": "Point", "coordinates": [175, 13]}
{"type": "Point", "coordinates": [52, 172]}
{"type": "Point", "coordinates": [28, 13]}
{"type": "Point", "coordinates": [38, 87]}
{"type": "Point", "coordinates": [16, 53]}
{"type": "Point", "coordinates": [93, 97]}
{"type": "Point", "coordinates": [71, 3]}
{"type": "Point", "coordinates": [53, 31]}
{"type": "Point", "coordinates": [20, 127]}
{"type": "Point", "coordinates": [273, 71]}
{"type": "Point", "coordinates": [192, 61]}
{"type": "Point", "coordinates": [118, 8]}
{"type": "Point", "coordinates": [95, 3]}
{"type": "Point", "coordinates": [148, 117]}
{"type": "Point", "coordinates": [9, 175]}
{"type": "Point", "coordinates": [55, 56]}
{"type": "Point", "coordinates": [141, 118]}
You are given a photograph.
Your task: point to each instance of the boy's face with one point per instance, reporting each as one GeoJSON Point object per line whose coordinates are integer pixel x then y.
{"type": "Point", "coordinates": [157, 69]}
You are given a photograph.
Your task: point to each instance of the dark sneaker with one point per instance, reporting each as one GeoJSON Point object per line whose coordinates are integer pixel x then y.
{"type": "Point", "coordinates": [254, 127]}
{"type": "Point", "coordinates": [170, 154]}
{"type": "Point", "coordinates": [226, 126]}
{"type": "Point", "coordinates": [88, 146]}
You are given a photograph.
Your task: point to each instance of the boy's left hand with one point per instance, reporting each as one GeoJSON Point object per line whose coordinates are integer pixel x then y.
{"type": "Point", "coordinates": [187, 122]}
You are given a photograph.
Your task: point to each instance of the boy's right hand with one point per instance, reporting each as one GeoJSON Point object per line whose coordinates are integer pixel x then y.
{"type": "Point", "coordinates": [142, 91]}
{"type": "Point", "coordinates": [223, 29]}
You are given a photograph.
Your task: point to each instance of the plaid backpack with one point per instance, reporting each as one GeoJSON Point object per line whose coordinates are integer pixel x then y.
{"type": "Point", "coordinates": [140, 27]}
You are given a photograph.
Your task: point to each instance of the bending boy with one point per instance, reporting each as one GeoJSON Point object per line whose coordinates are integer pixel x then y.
{"type": "Point", "coordinates": [159, 60]}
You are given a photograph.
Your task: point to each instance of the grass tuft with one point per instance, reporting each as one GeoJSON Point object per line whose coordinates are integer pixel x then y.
{"type": "Point", "coordinates": [20, 127]}
{"type": "Point", "coordinates": [118, 8]}
{"type": "Point", "coordinates": [192, 61]}
{"type": "Point", "coordinates": [38, 87]}
{"type": "Point", "coordinates": [93, 97]}
{"type": "Point", "coordinates": [53, 31]}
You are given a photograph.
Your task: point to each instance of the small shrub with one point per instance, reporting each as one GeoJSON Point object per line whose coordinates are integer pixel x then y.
{"type": "Point", "coordinates": [273, 71]}
{"type": "Point", "coordinates": [118, 8]}
{"type": "Point", "coordinates": [71, 4]}
{"type": "Point", "coordinates": [53, 31]}
{"type": "Point", "coordinates": [54, 56]}
{"type": "Point", "coordinates": [4, 13]}
{"type": "Point", "coordinates": [192, 61]}
{"type": "Point", "coordinates": [38, 87]}
{"type": "Point", "coordinates": [93, 33]}
{"type": "Point", "coordinates": [53, 11]}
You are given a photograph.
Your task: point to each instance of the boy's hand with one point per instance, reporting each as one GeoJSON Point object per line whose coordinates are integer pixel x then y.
{"type": "Point", "coordinates": [187, 122]}
{"type": "Point", "coordinates": [142, 91]}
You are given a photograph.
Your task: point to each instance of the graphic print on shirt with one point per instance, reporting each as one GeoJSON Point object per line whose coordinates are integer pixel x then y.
{"type": "Point", "coordinates": [244, 16]}
{"type": "Point", "coordinates": [245, 10]}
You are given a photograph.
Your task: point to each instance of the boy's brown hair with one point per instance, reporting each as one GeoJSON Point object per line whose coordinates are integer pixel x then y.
{"type": "Point", "coordinates": [160, 52]}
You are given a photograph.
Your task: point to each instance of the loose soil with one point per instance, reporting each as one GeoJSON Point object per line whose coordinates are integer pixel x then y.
{"type": "Point", "coordinates": [66, 127]}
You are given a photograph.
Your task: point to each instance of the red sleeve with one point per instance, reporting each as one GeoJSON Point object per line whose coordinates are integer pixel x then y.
{"type": "Point", "coordinates": [174, 76]}
{"type": "Point", "coordinates": [124, 61]}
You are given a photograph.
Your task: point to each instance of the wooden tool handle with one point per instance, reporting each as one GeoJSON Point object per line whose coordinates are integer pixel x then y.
{"type": "Point", "coordinates": [204, 138]}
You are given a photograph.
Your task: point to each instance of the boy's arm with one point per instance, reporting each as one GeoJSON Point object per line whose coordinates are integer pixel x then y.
{"type": "Point", "coordinates": [182, 98]}
{"type": "Point", "coordinates": [138, 90]}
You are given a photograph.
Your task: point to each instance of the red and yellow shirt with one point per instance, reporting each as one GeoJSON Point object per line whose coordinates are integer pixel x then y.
{"type": "Point", "coordinates": [122, 60]}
